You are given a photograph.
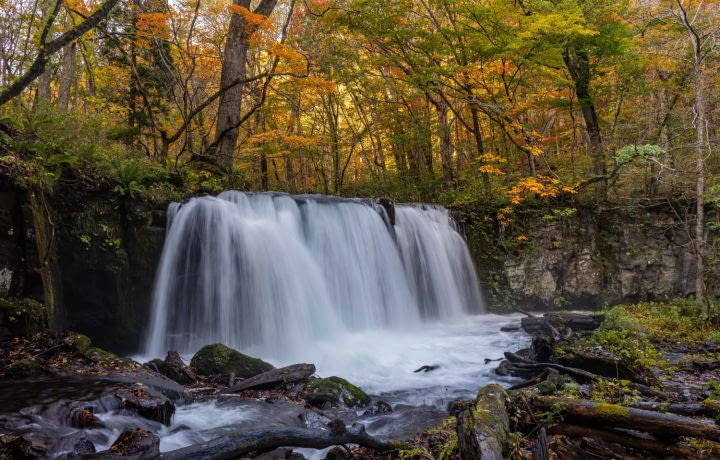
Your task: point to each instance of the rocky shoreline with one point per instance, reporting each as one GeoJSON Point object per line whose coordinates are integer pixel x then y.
{"type": "Point", "coordinates": [581, 393]}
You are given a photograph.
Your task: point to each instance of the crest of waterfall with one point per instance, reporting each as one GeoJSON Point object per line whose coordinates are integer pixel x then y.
{"type": "Point", "coordinates": [271, 272]}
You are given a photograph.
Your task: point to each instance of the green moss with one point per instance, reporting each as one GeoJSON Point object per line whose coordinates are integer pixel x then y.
{"type": "Point", "coordinates": [336, 390]}
{"type": "Point", "coordinates": [217, 359]}
{"type": "Point", "coordinates": [25, 316]}
{"type": "Point", "coordinates": [612, 410]}
{"type": "Point", "coordinates": [79, 342]}
{"type": "Point", "coordinates": [99, 355]}
{"type": "Point", "coordinates": [680, 321]}
{"type": "Point", "coordinates": [25, 368]}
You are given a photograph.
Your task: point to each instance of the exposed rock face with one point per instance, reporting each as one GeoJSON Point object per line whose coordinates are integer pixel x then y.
{"type": "Point", "coordinates": [582, 260]}
{"type": "Point", "coordinates": [217, 359]}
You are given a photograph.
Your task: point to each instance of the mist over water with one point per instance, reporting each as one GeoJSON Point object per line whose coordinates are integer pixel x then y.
{"type": "Point", "coordinates": [281, 275]}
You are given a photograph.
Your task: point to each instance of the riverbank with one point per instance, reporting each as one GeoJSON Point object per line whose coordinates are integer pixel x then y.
{"type": "Point", "coordinates": [644, 384]}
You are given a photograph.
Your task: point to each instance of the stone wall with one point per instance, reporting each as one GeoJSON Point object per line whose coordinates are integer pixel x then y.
{"type": "Point", "coordinates": [581, 259]}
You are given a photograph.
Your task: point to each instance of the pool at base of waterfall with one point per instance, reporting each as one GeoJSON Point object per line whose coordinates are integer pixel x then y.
{"type": "Point", "coordinates": [382, 362]}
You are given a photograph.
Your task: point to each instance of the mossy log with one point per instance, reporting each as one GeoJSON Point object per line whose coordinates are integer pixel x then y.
{"type": "Point", "coordinates": [275, 377]}
{"type": "Point", "coordinates": [604, 414]}
{"type": "Point", "coordinates": [690, 409]}
{"type": "Point", "coordinates": [626, 439]}
{"type": "Point", "coordinates": [238, 444]}
{"type": "Point", "coordinates": [483, 428]}
{"type": "Point", "coordinates": [607, 366]}
{"type": "Point", "coordinates": [585, 376]}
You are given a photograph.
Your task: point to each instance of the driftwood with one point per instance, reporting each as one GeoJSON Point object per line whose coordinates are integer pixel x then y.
{"type": "Point", "coordinates": [604, 414]}
{"type": "Point", "coordinates": [275, 377]}
{"type": "Point", "coordinates": [626, 439]}
{"type": "Point", "coordinates": [238, 444]}
{"type": "Point", "coordinates": [483, 428]}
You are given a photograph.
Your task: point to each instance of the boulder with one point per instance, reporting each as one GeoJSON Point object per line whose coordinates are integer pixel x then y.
{"type": "Point", "coordinates": [173, 368]}
{"type": "Point", "coordinates": [335, 390]}
{"type": "Point", "coordinates": [135, 444]}
{"type": "Point", "coordinates": [147, 403]}
{"type": "Point", "coordinates": [220, 360]}
{"type": "Point", "coordinates": [78, 342]}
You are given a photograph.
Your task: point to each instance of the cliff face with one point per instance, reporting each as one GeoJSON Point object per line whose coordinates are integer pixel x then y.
{"type": "Point", "coordinates": [581, 259]}
{"type": "Point", "coordinates": [96, 273]}
{"type": "Point", "coordinates": [100, 252]}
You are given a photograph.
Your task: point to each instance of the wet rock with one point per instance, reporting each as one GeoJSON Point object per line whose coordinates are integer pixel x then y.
{"type": "Point", "coordinates": [147, 403]}
{"type": "Point", "coordinates": [84, 418]}
{"type": "Point", "coordinates": [136, 444]}
{"type": "Point", "coordinates": [26, 368]}
{"type": "Point", "coordinates": [404, 421]}
{"type": "Point", "coordinates": [335, 390]}
{"type": "Point", "coordinates": [338, 453]}
{"type": "Point", "coordinates": [173, 368]}
{"type": "Point", "coordinates": [220, 360]}
{"type": "Point", "coordinates": [286, 375]}
{"type": "Point", "coordinates": [513, 328]}
{"type": "Point", "coordinates": [379, 407]}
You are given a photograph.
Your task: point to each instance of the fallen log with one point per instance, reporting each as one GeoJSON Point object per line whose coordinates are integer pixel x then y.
{"type": "Point", "coordinates": [626, 439]}
{"type": "Point", "coordinates": [689, 409]}
{"type": "Point", "coordinates": [545, 324]}
{"type": "Point", "coordinates": [585, 376]}
{"type": "Point", "coordinates": [607, 366]}
{"type": "Point", "coordinates": [236, 445]}
{"type": "Point", "coordinates": [275, 377]}
{"type": "Point", "coordinates": [482, 429]}
{"type": "Point", "coordinates": [604, 414]}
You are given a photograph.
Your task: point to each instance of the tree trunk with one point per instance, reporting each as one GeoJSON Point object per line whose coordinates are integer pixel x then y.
{"type": "Point", "coordinates": [445, 143]}
{"type": "Point", "coordinates": [578, 65]}
{"type": "Point", "coordinates": [480, 147]}
{"type": "Point", "coordinates": [66, 78]}
{"type": "Point", "coordinates": [234, 69]}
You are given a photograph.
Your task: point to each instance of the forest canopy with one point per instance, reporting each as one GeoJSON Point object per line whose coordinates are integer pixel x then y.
{"type": "Point", "coordinates": [446, 100]}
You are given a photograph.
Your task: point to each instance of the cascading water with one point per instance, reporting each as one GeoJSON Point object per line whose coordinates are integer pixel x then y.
{"type": "Point", "coordinates": [274, 272]}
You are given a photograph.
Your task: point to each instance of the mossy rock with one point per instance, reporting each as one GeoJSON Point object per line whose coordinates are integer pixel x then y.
{"type": "Point", "coordinates": [25, 368]}
{"type": "Point", "coordinates": [99, 355]}
{"type": "Point", "coordinates": [217, 359]}
{"type": "Point", "coordinates": [23, 317]}
{"type": "Point", "coordinates": [78, 342]}
{"type": "Point", "coordinates": [335, 390]}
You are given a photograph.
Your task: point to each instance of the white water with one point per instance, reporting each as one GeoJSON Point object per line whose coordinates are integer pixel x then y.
{"type": "Point", "coordinates": [281, 275]}
{"type": "Point", "coordinates": [382, 363]}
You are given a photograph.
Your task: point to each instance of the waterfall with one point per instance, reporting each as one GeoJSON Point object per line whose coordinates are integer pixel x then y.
{"type": "Point", "coordinates": [271, 271]}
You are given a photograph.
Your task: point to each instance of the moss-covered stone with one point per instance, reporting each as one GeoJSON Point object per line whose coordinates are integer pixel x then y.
{"type": "Point", "coordinates": [335, 390]}
{"type": "Point", "coordinates": [78, 342]}
{"type": "Point", "coordinates": [25, 368]}
{"type": "Point", "coordinates": [23, 317]}
{"type": "Point", "coordinates": [99, 355]}
{"type": "Point", "coordinates": [217, 359]}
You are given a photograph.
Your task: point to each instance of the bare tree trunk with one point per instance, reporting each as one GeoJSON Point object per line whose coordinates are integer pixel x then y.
{"type": "Point", "coordinates": [445, 143]}
{"type": "Point", "coordinates": [234, 69]}
{"type": "Point", "coordinates": [480, 147]}
{"type": "Point", "coordinates": [700, 141]}
{"type": "Point", "coordinates": [67, 77]}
